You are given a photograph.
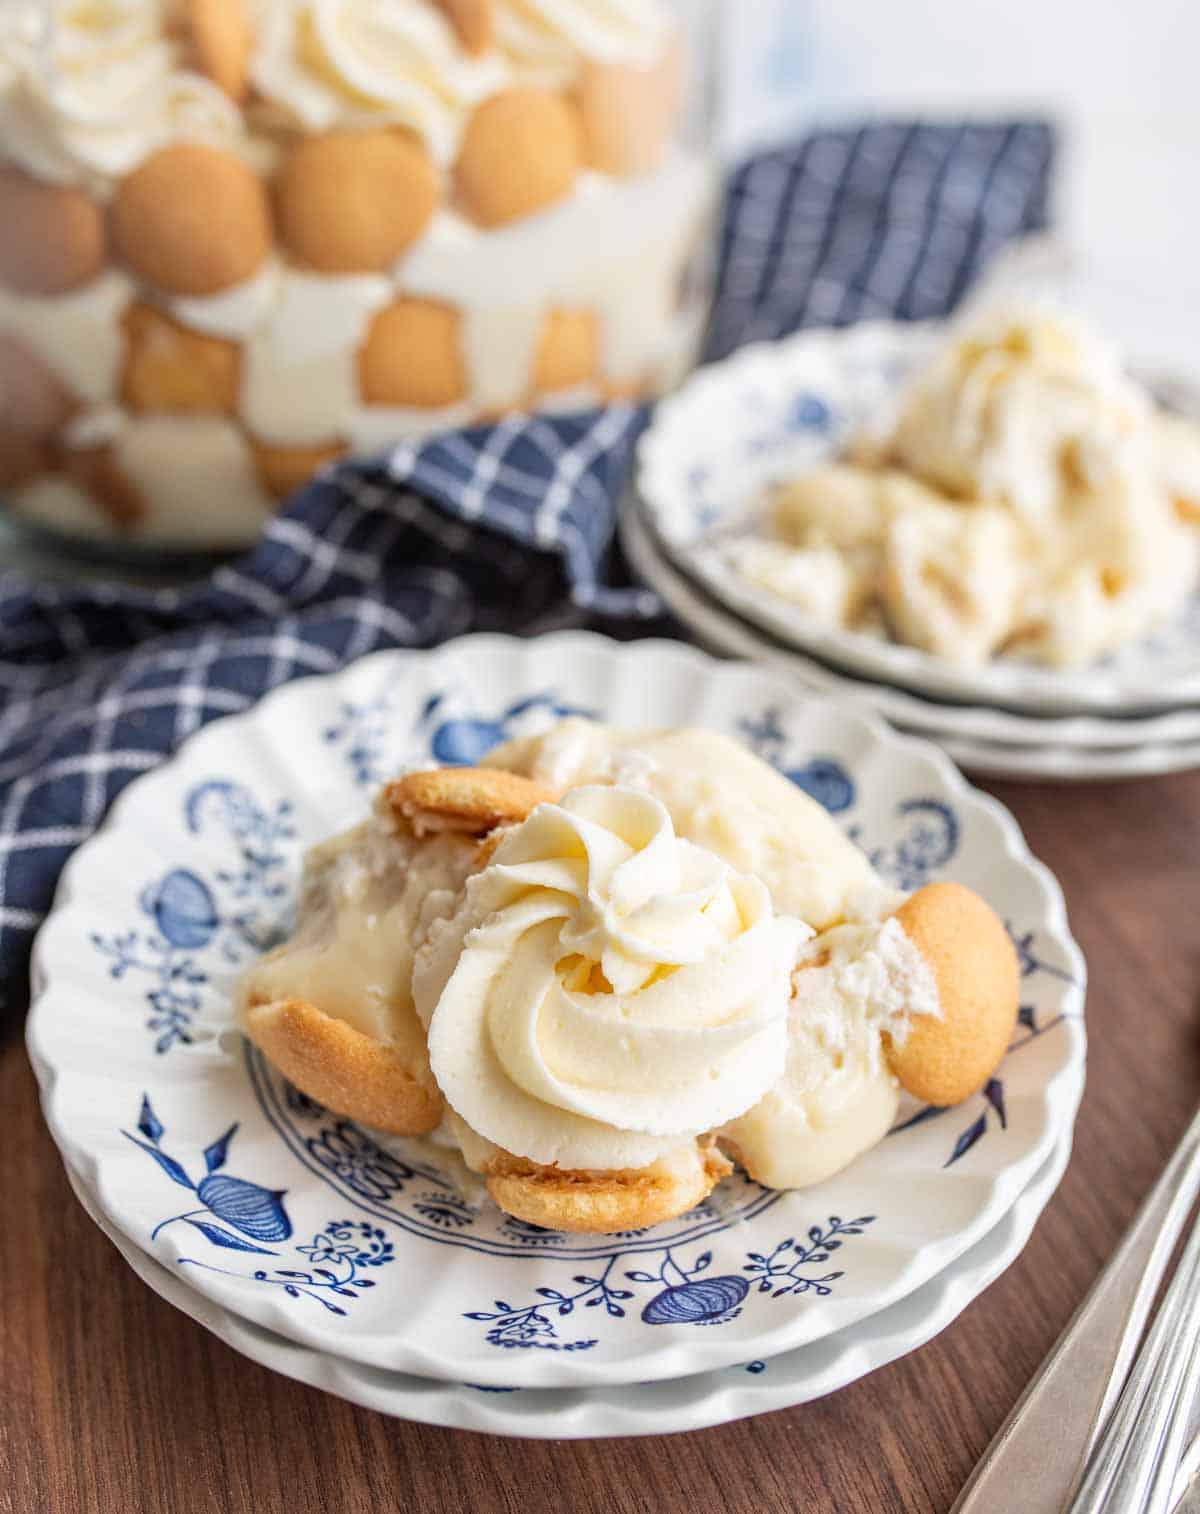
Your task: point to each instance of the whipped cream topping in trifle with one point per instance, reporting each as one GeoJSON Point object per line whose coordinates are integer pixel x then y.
{"type": "Point", "coordinates": [409, 217]}
{"type": "Point", "coordinates": [678, 958]}
{"type": "Point", "coordinates": [89, 88]}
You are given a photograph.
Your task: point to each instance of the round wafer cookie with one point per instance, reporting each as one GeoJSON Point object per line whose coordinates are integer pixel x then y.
{"type": "Point", "coordinates": [223, 40]}
{"type": "Point", "coordinates": [472, 800]}
{"type": "Point", "coordinates": [520, 153]}
{"type": "Point", "coordinates": [192, 219]}
{"type": "Point", "coordinates": [597, 1203]}
{"type": "Point", "coordinates": [627, 113]}
{"type": "Point", "coordinates": [346, 1071]}
{"type": "Point", "coordinates": [412, 356]}
{"type": "Point", "coordinates": [52, 236]}
{"type": "Point", "coordinates": [946, 1059]}
{"type": "Point", "coordinates": [353, 201]}
{"type": "Point", "coordinates": [568, 350]}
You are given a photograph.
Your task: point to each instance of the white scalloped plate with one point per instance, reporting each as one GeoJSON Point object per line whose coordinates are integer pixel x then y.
{"type": "Point", "coordinates": [653, 1408]}
{"type": "Point", "coordinates": [305, 1224]}
{"type": "Point", "coordinates": [1067, 750]}
{"type": "Point", "coordinates": [776, 409]}
{"type": "Point", "coordinates": [1065, 764]}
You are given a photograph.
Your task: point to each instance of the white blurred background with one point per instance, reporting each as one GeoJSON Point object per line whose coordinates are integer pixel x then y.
{"type": "Point", "coordinates": [1120, 77]}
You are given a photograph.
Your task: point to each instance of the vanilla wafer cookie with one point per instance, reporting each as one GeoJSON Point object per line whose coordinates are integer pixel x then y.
{"type": "Point", "coordinates": [597, 1203]}
{"type": "Point", "coordinates": [521, 152]}
{"type": "Point", "coordinates": [350, 1073]}
{"type": "Point", "coordinates": [946, 1058]}
{"type": "Point", "coordinates": [192, 219]}
{"type": "Point", "coordinates": [223, 40]}
{"type": "Point", "coordinates": [470, 800]}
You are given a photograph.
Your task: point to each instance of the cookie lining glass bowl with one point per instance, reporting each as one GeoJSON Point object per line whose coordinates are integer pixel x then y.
{"type": "Point", "coordinates": [142, 1094]}
{"type": "Point", "coordinates": [245, 240]}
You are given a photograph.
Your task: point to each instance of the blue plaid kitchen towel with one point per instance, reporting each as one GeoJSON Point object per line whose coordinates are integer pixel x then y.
{"type": "Point", "coordinates": [491, 529]}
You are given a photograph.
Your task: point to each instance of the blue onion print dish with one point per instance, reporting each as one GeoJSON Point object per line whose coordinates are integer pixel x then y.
{"type": "Point", "coordinates": [377, 1250]}
{"type": "Point", "coordinates": [647, 1408]}
{"type": "Point", "coordinates": [774, 410]}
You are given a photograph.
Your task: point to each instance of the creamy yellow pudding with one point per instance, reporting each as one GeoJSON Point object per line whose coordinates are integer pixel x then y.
{"type": "Point", "coordinates": [1028, 498]}
{"type": "Point", "coordinates": [664, 956]}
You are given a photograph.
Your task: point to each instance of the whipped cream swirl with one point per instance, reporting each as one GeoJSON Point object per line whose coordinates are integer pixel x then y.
{"type": "Point", "coordinates": [606, 989]}
{"type": "Point", "coordinates": [88, 88]}
{"type": "Point", "coordinates": [548, 37]}
{"type": "Point", "coordinates": [358, 62]}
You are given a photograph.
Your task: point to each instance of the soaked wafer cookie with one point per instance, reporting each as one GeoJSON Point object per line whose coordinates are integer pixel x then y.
{"type": "Point", "coordinates": [351, 1073]}
{"type": "Point", "coordinates": [471, 800]}
{"type": "Point", "coordinates": [169, 368]}
{"type": "Point", "coordinates": [597, 1203]}
{"type": "Point", "coordinates": [283, 470]}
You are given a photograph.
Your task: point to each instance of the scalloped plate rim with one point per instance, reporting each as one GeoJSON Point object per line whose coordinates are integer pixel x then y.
{"type": "Point", "coordinates": [999, 757]}
{"type": "Point", "coordinates": [464, 1406]}
{"type": "Point", "coordinates": [676, 1358]}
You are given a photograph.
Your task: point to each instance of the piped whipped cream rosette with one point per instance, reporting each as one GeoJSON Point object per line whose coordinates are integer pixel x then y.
{"type": "Point", "coordinates": [607, 990]}
{"type": "Point", "coordinates": [591, 962]}
{"type": "Point", "coordinates": [357, 62]}
{"type": "Point", "coordinates": [87, 91]}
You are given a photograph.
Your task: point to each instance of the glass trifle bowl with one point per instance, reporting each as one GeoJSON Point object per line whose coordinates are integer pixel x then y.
{"type": "Point", "coordinates": [242, 238]}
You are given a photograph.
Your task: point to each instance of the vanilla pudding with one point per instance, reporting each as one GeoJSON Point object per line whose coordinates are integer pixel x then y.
{"type": "Point", "coordinates": [280, 232]}
{"type": "Point", "coordinates": [1027, 500]}
{"type": "Point", "coordinates": [610, 961]}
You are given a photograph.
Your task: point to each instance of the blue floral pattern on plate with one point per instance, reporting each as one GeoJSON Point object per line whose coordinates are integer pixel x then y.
{"type": "Point", "coordinates": [412, 1189]}
{"type": "Point", "coordinates": [285, 1202]}
{"type": "Point", "coordinates": [240, 909]}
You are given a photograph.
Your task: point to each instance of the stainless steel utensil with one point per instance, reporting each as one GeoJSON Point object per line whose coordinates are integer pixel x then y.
{"type": "Point", "coordinates": [1038, 1455]}
{"type": "Point", "coordinates": [1133, 1465]}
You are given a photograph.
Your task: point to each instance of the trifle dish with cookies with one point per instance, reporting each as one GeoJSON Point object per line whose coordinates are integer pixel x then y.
{"type": "Point", "coordinates": [607, 966]}
{"type": "Point", "coordinates": [240, 239]}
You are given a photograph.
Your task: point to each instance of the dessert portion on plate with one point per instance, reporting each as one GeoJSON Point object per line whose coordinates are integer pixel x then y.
{"type": "Point", "coordinates": [1027, 498]}
{"type": "Point", "coordinates": [243, 238]}
{"type": "Point", "coordinates": [611, 963]}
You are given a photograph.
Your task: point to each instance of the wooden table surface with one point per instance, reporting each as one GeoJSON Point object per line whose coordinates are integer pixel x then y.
{"type": "Point", "coordinates": [115, 1403]}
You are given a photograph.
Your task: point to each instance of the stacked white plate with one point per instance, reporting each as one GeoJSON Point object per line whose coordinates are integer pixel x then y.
{"type": "Point", "coordinates": [768, 414]}
{"type": "Point", "coordinates": [369, 1266]}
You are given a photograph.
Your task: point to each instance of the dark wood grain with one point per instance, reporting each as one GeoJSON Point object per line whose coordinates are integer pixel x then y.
{"type": "Point", "coordinates": [111, 1401]}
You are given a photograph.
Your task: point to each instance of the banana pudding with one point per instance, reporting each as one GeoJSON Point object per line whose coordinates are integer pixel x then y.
{"type": "Point", "coordinates": [611, 963]}
{"type": "Point", "coordinates": [1028, 500]}
{"type": "Point", "coordinates": [244, 238]}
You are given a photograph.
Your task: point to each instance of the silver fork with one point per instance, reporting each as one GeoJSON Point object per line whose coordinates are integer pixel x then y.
{"type": "Point", "coordinates": [1036, 1458]}
{"type": "Point", "coordinates": [1135, 1463]}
